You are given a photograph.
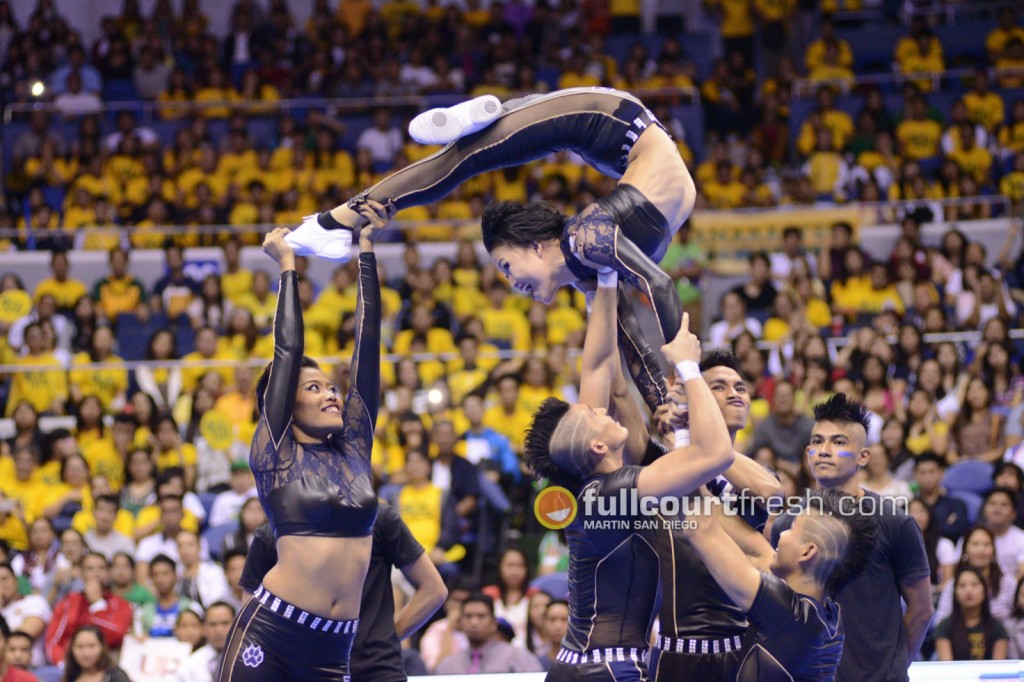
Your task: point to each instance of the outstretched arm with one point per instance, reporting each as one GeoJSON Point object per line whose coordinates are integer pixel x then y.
{"type": "Point", "coordinates": [364, 395]}
{"type": "Point", "coordinates": [279, 397]}
{"type": "Point", "coordinates": [599, 352]}
{"type": "Point", "coordinates": [710, 453]}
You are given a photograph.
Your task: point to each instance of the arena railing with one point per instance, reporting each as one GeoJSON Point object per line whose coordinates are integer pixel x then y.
{"type": "Point", "coordinates": [871, 213]}
{"type": "Point", "coordinates": [806, 87]}
{"type": "Point", "coordinates": [151, 110]}
{"type": "Point", "coordinates": [835, 343]}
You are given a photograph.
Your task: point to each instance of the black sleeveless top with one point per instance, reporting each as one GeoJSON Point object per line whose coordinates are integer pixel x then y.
{"type": "Point", "coordinates": [613, 570]}
{"type": "Point", "coordinates": [320, 489]}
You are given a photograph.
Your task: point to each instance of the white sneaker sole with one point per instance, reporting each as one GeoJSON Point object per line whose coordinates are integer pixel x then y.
{"type": "Point", "coordinates": [310, 239]}
{"type": "Point", "coordinates": [444, 125]}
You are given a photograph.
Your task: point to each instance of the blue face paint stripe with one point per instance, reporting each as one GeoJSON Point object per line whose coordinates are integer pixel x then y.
{"type": "Point", "coordinates": [811, 453]}
{"type": "Point", "coordinates": [846, 453]}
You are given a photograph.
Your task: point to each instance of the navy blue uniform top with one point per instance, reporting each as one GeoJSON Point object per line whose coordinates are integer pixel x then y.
{"type": "Point", "coordinates": [792, 637]}
{"type": "Point", "coordinates": [613, 570]}
{"type": "Point", "coordinates": [319, 489]}
{"type": "Point", "coordinates": [876, 642]}
{"type": "Point", "coordinates": [376, 651]}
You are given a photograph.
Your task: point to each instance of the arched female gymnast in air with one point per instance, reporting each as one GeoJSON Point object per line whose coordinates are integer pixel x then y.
{"type": "Point", "coordinates": [537, 248]}
{"type": "Point", "coordinates": [311, 460]}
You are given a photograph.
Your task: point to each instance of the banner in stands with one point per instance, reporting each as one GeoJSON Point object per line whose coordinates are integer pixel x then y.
{"type": "Point", "coordinates": [153, 658]}
{"type": "Point", "coordinates": [730, 234]}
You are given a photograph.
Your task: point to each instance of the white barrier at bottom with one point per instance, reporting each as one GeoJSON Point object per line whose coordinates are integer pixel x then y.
{"type": "Point", "coordinates": [963, 671]}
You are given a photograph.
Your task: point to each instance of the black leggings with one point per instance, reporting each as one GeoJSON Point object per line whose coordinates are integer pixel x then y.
{"type": "Point", "coordinates": [601, 125]}
{"type": "Point", "coordinates": [272, 640]}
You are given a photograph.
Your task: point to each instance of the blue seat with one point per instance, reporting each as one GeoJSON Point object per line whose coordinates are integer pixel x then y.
{"type": "Point", "coordinates": [214, 538]}
{"type": "Point", "coordinates": [555, 584]}
{"type": "Point", "coordinates": [972, 501]}
{"type": "Point", "coordinates": [970, 476]}
{"type": "Point", "coordinates": [207, 500]}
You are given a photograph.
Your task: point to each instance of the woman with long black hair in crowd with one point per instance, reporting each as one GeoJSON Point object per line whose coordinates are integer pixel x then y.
{"type": "Point", "coordinates": [971, 633]}
{"type": "Point", "coordinates": [88, 659]}
{"type": "Point", "coordinates": [311, 460]}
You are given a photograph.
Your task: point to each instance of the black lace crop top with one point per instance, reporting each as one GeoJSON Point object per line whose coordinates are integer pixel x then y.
{"type": "Point", "coordinates": [321, 489]}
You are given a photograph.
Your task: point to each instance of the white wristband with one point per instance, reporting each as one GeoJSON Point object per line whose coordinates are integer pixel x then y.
{"type": "Point", "coordinates": [688, 369]}
{"type": "Point", "coordinates": [682, 438]}
{"type": "Point", "coordinates": [607, 279]}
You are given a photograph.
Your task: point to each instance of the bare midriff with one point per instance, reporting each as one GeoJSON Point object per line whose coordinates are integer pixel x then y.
{"type": "Point", "coordinates": [321, 575]}
{"type": "Point", "coordinates": [655, 168]}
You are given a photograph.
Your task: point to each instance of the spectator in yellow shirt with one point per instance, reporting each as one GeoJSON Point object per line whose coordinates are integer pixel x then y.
{"type": "Point", "coordinates": [831, 70]}
{"type": "Point", "coordinates": [1006, 31]}
{"type": "Point", "coordinates": [171, 452]}
{"type": "Point", "coordinates": [217, 94]}
{"type": "Point", "coordinates": [260, 300]}
{"type": "Point", "coordinates": [420, 501]}
{"type": "Point", "coordinates": [207, 349]}
{"type": "Point", "coordinates": [504, 326]}
{"type": "Point", "coordinates": [46, 390]}
{"type": "Point", "coordinates": [178, 94]}
{"type": "Point", "coordinates": [737, 17]}
{"type": "Point", "coordinates": [984, 107]}
{"type": "Point", "coordinates": [725, 191]}
{"type": "Point", "coordinates": [921, 55]}
{"type": "Point", "coordinates": [109, 385]}
{"type": "Point", "coordinates": [1010, 67]}
{"type": "Point", "coordinates": [509, 417]}
{"type": "Point", "coordinates": [65, 291]}
{"type": "Point", "coordinates": [118, 292]}
{"type": "Point", "coordinates": [1012, 184]}
{"type": "Point", "coordinates": [234, 279]}
{"type": "Point", "coordinates": [825, 115]}
{"type": "Point", "coordinates": [815, 54]}
{"type": "Point", "coordinates": [973, 160]}
{"type": "Point", "coordinates": [918, 136]}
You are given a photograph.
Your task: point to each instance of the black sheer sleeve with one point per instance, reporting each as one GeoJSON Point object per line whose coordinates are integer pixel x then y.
{"type": "Point", "coordinates": [289, 345]}
{"type": "Point", "coordinates": [363, 399]}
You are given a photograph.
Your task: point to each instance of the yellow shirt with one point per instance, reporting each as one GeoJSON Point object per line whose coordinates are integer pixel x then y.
{"type": "Point", "coordinates": [171, 458]}
{"type": "Point", "coordinates": [775, 329]}
{"type": "Point", "coordinates": [65, 293]}
{"type": "Point", "coordinates": [190, 376]}
{"type": "Point", "coordinates": [850, 295]}
{"type": "Point", "coordinates": [919, 139]}
{"type": "Point", "coordinates": [40, 388]}
{"type": "Point", "coordinates": [530, 397]}
{"type": "Point", "coordinates": [774, 10]}
{"type": "Point", "coordinates": [1012, 185]}
{"type": "Point", "coordinates": [986, 110]}
{"type": "Point", "coordinates": [215, 95]}
{"type": "Point", "coordinates": [815, 55]}
{"type": "Point", "coordinates": [262, 312]}
{"type": "Point", "coordinates": [577, 80]}
{"type": "Point", "coordinates": [51, 495]}
{"type": "Point", "coordinates": [923, 442]}
{"type": "Point", "coordinates": [737, 18]}
{"type": "Point", "coordinates": [824, 172]}
{"type": "Point", "coordinates": [513, 426]}
{"type": "Point", "coordinates": [818, 313]}
{"type": "Point", "coordinates": [234, 284]}
{"type": "Point", "coordinates": [438, 341]}
{"type": "Point", "coordinates": [151, 514]}
{"type": "Point", "coordinates": [420, 508]}
{"type": "Point", "coordinates": [977, 162]}
{"type": "Point", "coordinates": [85, 521]}
{"type": "Point", "coordinates": [105, 384]}
{"type": "Point", "coordinates": [996, 41]}
{"type": "Point", "coordinates": [1012, 137]}
{"type": "Point", "coordinates": [506, 326]}
{"type": "Point", "coordinates": [1010, 73]}
{"type": "Point", "coordinates": [724, 196]}
{"type": "Point", "coordinates": [12, 531]}
{"type": "Point", "coordinates": [104, 461]}
{"type": "Point", "coordinates": [77, 216]}
{"type": "Point", "coordinates": [116, 296]}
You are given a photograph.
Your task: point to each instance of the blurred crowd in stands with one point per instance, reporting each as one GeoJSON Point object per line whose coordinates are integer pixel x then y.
{"type": "Point", "coordinates": [142, 491]}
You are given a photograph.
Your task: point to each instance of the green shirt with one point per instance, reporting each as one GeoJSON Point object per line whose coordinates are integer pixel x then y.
{"type": "Point", "coordinates": [678, 255]}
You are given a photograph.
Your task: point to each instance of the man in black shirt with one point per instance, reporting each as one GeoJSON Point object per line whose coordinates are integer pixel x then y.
{"type": "Point", "coordinates": [700, 628]}
{"type": "Point", "coordinates": [796, 631]}
{"type": "Point", "coordinates": [613, 566]}
{"type": "Point", "coordinates": [377, 650]}
{"type": "Point", "coordinates": [881, 639]}
{"type": "Point", "coordinates": [950, 513]}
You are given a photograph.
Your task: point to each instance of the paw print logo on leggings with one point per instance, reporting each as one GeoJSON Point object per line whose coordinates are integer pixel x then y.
{"type": "Point", "coordinates": [252, 655]}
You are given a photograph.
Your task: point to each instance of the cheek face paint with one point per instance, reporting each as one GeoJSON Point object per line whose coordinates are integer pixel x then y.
{"type": "Point", "coordinates": [812, 453]}
{"type": "Point", "coordinates": [846, 453]}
